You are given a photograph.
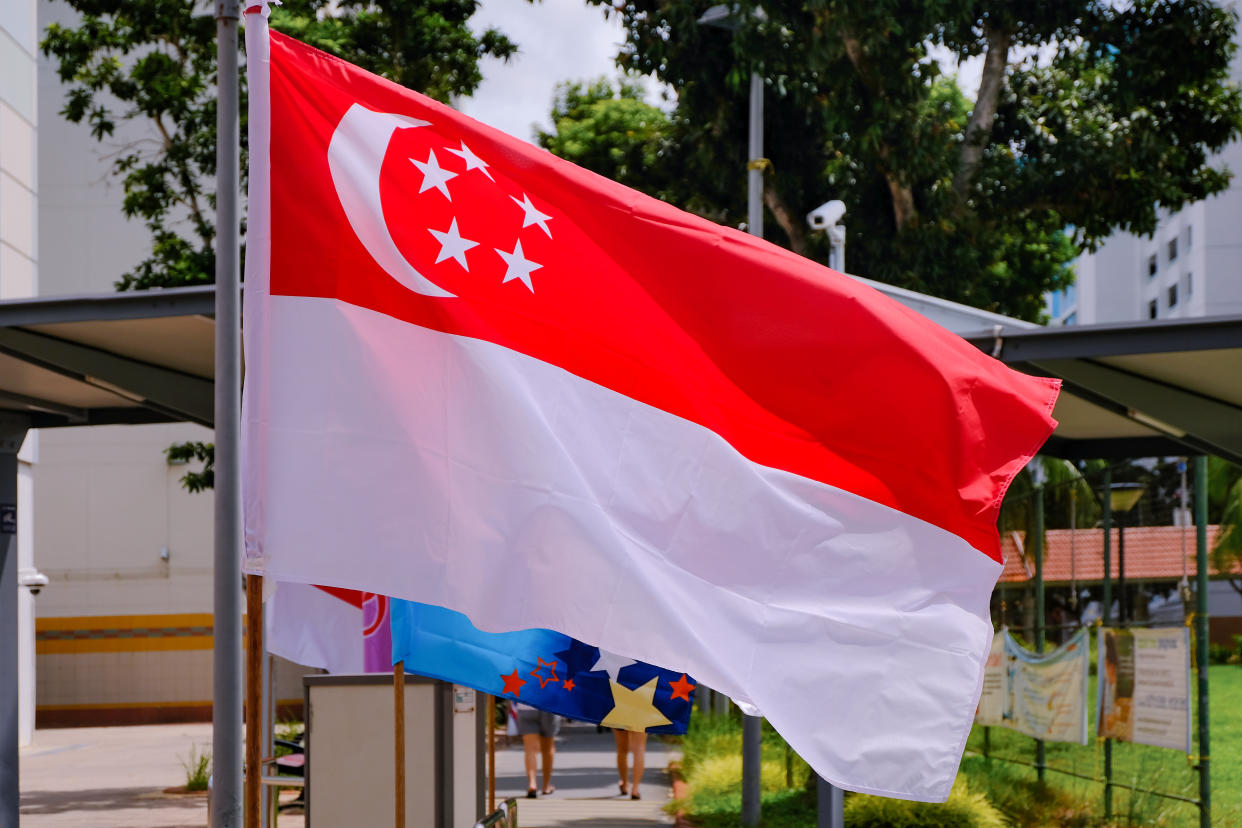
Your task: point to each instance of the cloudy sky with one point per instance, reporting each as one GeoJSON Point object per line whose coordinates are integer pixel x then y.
{"type": "Point", "coordinates": [559, 40]}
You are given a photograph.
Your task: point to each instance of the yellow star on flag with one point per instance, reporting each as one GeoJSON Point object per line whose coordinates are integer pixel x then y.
{"type": "Point", "coordinates": [633, 709]}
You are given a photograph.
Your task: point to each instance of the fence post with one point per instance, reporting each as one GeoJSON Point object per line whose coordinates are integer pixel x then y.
{"type": "Point", "coordinates": [1201, 639]}
{"type": "Point", "coordinates": [1105, 619]}
{"type": "Point", "coordinates": [1036, 545]}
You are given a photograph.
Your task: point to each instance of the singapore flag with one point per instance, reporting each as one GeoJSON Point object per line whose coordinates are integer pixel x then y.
{"type": "Point", "coordinates": [482, 378]}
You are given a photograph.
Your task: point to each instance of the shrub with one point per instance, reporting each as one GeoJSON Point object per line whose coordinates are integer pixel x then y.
{"type": "Point", "coordinates": [963, 810]}
{"type": "Point", "coordinates": [197, 769]}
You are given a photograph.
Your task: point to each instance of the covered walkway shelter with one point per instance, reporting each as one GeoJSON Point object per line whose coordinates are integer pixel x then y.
{"type": "Point", "coordinates": [1154, 388]}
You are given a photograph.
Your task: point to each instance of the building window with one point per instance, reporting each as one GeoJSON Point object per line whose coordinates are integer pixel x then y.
{"type": "Point", "coordinates": [1188, 237]}
{"type": "Point", "coordinates": [1172, 250]}
{"type": "Point", "coordinates": [1072, 319]}
{"type": "Point", "coordinates": [1190, 283]}
{"type": "Point", "coordinates": [1151, 309]}
{"type": "Point", "coordinates": [1173, 296]}
{"type": "Point", "coordinates": [1151, 265]}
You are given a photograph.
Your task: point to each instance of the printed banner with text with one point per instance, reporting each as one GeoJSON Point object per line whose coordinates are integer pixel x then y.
{"type": "Point", "coordinates": [1144, 688]}
{"type": "Point", "coordinates": [1043, 696]}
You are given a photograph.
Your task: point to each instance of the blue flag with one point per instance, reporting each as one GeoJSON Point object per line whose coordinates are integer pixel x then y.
{"type": "Point", "coordinates": [541, 668]}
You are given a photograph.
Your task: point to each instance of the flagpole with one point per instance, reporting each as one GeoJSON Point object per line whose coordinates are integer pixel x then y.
{"type": "Point", "coordinates": [398, 738]}
{"type": "Point", "coordinates": [226, 793]}
{"type": "Point", "coordinates": [491, 753]}
{"type": "Point", "coordinates": [254, 696]}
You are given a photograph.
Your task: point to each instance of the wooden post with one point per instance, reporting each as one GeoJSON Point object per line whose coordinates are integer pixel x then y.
{"type": "Point", "coordinates": [491, 754]}
{"type": "Point", "coordinates": [254, 697]}
{"type": "Point", "coordinates": [398, 734]}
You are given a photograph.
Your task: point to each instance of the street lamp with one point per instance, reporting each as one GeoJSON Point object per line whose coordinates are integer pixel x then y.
{"type": "Point", "coordinates": [729, 17]}
{"type": "Point", "coordinates": [1121, 499]}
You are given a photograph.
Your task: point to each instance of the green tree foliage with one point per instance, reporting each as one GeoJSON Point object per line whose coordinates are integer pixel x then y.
{"type": "Point", "coordinates": [1225, 501]}
{"type": "Point", "coordinates": [152, 62]}
{"type": "Point", "coordinates": [1089, 116]}
{"type": "Point", "coordinates": [611, 131]}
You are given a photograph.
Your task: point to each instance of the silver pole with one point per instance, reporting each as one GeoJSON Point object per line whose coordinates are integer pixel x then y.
{"type": "Point", "coordinates": [12, 433]}
{"type": "Point", "coordinates": [830, 804]}
{"type": "Point", "coordinates": [754, 171]}
{"type": "Point", "coordinates": [752, 732]}
{"type": "Point", "coordinates": [226, 733]}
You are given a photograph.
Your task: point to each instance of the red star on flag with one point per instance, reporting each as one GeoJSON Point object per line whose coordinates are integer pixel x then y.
{"type": "Point", "coordinates": [513, 683]}
{"type": "Point", "coordinates": [681, 688]}
{"type": "Point", "coordinates": [538, 672]}
{"type": "Point", "coordinates": [569, 685]}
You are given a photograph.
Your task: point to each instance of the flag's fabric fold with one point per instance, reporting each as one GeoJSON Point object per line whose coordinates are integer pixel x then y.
{"type": "Point", "coordinates": [481, 378]}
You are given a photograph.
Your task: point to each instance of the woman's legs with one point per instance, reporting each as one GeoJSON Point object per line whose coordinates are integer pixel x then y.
{"type": "Point", "coordinates": [530, 744]}
{"type": "Point", "coordinates": [547, 745]}
{"type": "Point", "coordinates": [623, 765]}
{"type": "Point", "coordinates": [638, 749]}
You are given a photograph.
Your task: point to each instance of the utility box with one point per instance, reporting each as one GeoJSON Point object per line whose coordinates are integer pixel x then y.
{"type": "Point", "coordinates": [350, 777]}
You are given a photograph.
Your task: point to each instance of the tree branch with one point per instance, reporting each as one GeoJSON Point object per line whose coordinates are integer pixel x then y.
{"type": "Point", "coordinates": [979, 129]}
{"type": "Point", "coordinates": [792, 224]}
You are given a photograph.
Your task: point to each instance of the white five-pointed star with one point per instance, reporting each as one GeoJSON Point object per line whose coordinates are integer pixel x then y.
{"type": "Point", "coordinates": [452, 245]}
{"type": "Point", "coordinates": [532, 216]}
{"type": "Point", "coordinates": [520, 267]}
{"type": "Point", "coordinates": [434, 175]}
{"type": "Point", "coordinates": [473, 162]}
{"type": "Point", "coordinates": [611, 663]}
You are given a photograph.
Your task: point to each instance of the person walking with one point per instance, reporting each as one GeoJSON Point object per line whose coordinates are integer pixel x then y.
{"type": "Point", "coordinates": [538, 730]}
{"type": "Point", "coordinates": [631, 744]}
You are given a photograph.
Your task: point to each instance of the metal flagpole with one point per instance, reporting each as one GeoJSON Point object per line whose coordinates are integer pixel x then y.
{"type": "Point", "coordinates": [398, 740]}
{"type": "Point", "coordinates": [752, 726]}
{"type": "Point", "coordinates": [226, 747]}
{"type": "Point", "coordinates": [254, 696]}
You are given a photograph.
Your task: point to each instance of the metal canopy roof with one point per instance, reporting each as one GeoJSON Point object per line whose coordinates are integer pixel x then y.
{"type": "Point", "coordinates": [1135, 390]}
{"type": "Point", "coordinates": [142, 357]}
{"type": "Point", "coordinates": [1152, 388]}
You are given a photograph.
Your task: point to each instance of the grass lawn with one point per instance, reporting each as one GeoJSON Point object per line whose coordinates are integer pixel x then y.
{"type": "Point", "coordinates": [712, 767]}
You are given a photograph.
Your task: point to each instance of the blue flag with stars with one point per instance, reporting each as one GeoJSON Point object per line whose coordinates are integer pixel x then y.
{"type": "Point", "coordinates": [541, 668]}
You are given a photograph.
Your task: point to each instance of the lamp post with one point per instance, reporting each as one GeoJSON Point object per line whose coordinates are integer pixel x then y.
{"type": "Point", "coordinates": [1121, 498]}
{"type": "Point", "coordinates": [728, 17]}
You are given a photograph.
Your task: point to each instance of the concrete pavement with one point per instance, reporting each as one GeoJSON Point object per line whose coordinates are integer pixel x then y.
{"type": "Point", "coordinates": [114, 777]}
{"type": "Point", "coordinates": [585, 775]}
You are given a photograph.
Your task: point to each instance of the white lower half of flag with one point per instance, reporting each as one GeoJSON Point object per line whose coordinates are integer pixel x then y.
{"type": "Point", "coordinates": [397, 459]}
{"type": "Point", "coordinates": [309, 626]}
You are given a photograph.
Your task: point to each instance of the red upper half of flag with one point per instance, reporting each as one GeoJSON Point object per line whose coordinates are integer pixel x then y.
{"type": "Point", "coordinates": [387, 200]}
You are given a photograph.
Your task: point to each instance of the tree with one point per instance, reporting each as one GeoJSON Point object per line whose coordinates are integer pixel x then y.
{"type": "Point", "coordinates": [610, 131]}
{"type": "Point", "coordinates": [1083, 124]}
{"type": "Point", "coordinates": [152, 62]}
{"type": "Point", "coordinates": [1225, 500]}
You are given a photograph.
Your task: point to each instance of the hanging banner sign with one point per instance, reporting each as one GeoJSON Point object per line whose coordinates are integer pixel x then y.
{"type": "Point", "coordinates": [993, 701]}
{"type": "Point", "coordinates": [1144, 687]}
{"type": "Point", "coordinates": [1043, 696]}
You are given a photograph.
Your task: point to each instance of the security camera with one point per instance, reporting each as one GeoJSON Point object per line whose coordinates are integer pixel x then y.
{"type": "Point", "coordinates": [34, 581]}
{"type": "Point", "coordinates": [826, 214]}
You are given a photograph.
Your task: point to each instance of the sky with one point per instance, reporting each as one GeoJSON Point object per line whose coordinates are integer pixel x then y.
{"type": "Point", "coordinates": [560, 40]}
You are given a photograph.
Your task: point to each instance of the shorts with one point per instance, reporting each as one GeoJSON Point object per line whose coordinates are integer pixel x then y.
{"type": "Point", "coordinates": [537, 722]}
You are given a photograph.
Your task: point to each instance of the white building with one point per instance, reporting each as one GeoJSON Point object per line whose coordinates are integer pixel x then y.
{"type": "Point", "coordinates": [19, 269]}
{"type": "Point", "coordinates": [1191, 265]}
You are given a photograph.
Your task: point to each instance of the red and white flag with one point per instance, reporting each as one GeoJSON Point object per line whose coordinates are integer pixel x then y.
{"type": "Point", "coordinates": [334, 629]}
{"type": "Point", "coordinates": [483, 378]}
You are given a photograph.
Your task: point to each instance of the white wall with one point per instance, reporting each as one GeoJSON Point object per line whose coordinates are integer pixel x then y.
{"type": "Point", "coordinates": [19, 277]}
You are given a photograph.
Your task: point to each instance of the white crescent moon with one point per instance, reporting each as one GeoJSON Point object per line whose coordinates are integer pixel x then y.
{"type": "Point", "coordinates": [355, 155]}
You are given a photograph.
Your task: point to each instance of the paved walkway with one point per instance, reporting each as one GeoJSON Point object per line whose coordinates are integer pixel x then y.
{"type": "Point", "coordinates": [585, 775]}
{"type": "Point", "coordinates": [114, 777]}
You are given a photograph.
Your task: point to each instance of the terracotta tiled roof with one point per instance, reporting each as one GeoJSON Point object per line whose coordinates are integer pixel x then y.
{"type": "Point", "coordinates": [1152, 553]}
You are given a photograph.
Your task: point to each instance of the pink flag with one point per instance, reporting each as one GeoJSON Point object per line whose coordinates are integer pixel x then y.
{"type": "Point", "coordinates": [338, 630]}
{"type": "Point", "coordinates": [482, 378]}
